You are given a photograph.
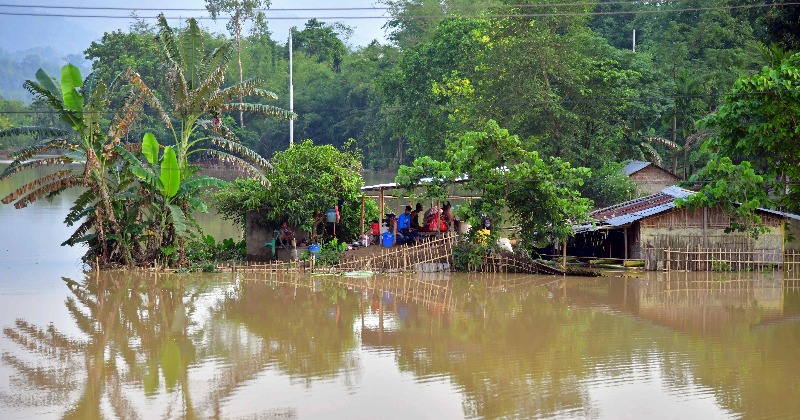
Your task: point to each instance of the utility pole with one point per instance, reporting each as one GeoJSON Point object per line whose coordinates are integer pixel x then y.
{"type": "Point", "coordinates": [291, 93]}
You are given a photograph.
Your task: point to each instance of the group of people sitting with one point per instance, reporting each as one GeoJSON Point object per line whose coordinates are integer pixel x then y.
{"type": "Point", "coordinates": [436, 219]}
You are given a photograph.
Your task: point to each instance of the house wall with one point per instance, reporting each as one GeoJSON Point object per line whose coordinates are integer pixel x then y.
{"type": "Point", "coordinates": [651, 180]}
{"type": "Point", "coordinates": [681, 229]}
{"type": "Point", "coordinates": [256, 235]}
{"type": "Point", "coordinates": [792, 235]}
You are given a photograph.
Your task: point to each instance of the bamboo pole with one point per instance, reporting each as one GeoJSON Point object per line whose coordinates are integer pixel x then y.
{"type": "Point", "coordinates": [363, 204]}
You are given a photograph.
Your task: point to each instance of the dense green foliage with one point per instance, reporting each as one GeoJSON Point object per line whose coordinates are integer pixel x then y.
{"type": "Point", "coordinates": [563, 78]}
{"type": "Point", "coordinates": [756, 131]}
{"type": "Point", "coordinates": [566, 82]}
{"type": "Point", "coordinates": [305, 182]}
{"type": "Point", "coordinates": [137, 212]}
{"type": "Point", "coordinates": [516, 186]}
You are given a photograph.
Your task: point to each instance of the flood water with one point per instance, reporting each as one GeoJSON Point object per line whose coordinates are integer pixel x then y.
{"type": "Point", "coordinates": [250, 345]}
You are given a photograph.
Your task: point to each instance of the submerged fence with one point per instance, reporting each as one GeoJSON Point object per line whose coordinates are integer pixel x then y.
{"type": "Point", "coordinates": [720, 259]}
{"type": "Point", "coordinates": [433, 255]}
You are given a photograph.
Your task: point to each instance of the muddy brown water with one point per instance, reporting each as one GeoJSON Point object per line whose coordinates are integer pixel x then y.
{"type": "Point", "coordinates": [236, 345]}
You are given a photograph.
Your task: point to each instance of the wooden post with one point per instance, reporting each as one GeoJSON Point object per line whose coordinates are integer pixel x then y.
{"type": "Point", "coordinates": [381, 215]}
{"type": "Point", "coordinates": [363, 203]}
{"type": "Point", "coordinates": [625, 233]}
{"type": "Point", "coordinates": [564, 264]}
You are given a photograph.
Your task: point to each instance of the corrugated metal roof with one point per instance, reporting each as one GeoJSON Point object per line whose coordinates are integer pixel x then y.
{"type": "Point", "coordinates": [782, 214]}
{"type": "Point", "coordinates": [634, 166]}
{"type": "Point", "coordinates": [631, 211]}
{"type": "Point", "coordinates": [632, 217]}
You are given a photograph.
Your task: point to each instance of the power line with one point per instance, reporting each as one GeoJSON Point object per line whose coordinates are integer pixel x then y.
{"type": "Point", "coordinates": [326, 9]}
{"type": "Point", "coordinates": [490, 16]}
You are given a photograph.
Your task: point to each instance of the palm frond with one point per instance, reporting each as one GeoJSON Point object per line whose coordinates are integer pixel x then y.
{"type": "Point", "coordinates": [83, 205]}
{"type": "Point", "coordinates": [28, 152]}
{"type": "Point", "coordinates": [696, 137]}
{"type": "Point", "coordinates": [14, 195]}
{"type": "Point", "coordinates": [41, 93]}
{"type": "Point", "coordinates": [167, 40]}
{"type": "Point", "coordinates": [200, 96]}
{"type": "Point", "coordinates": [192, 43]}
{"type": "Point", "coordinates": [147, 176]}
{"type": "Point", "coordinates": [654, 156]}
{"type": "Point", "coordinates": [12, 169]}
{"type": "Point", "coordinates": [240, 164]}
{"type": "Point", "coordinates": [266, 110]}
{"type": "Point", "coordinates": [48, 83]}
{"type": "Point", "coordinates": [123, 120]}
{"type": "Point", "coordinates": [220, 130]}
{"type": "Point", "coordinates": [178, 219]}
{"type": "Point", "coordinates": [217, 59]}
{"type": "Point", "coordinates": [663, 141]}
{"type": "Point", "coordinates": [248, 87]}
{"type": "Point", "coordinates": [83, 236]}
{"type": "Point", "coordinates": [58, 185]}
{"type": "Point", "coordinates": [128, 154]}
{"type": "Point", "coordinates": [80, 234]}
{"type": "Point", "coordinates": [97, 104]}
{"type": "Point", "coordinates": [193, 184]}
{"type": "Point", "coordinates": [91, 84]}
{"type": "Point", "coordinates": [35, 131]}
{"type": "Point", "coordinates": [197, 205]}
{"type": "Point", "coordinates": [149, 96]}
{"type": "Point", "coordinates": [242, 150]}
{"type": "Point", "coordinates": [178, 91]}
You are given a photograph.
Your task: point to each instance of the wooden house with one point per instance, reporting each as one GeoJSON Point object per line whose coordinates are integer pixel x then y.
{"type": "Point", "coordinates": [649, 177]}
{"type": "Point", "coordinates": [652, 228]}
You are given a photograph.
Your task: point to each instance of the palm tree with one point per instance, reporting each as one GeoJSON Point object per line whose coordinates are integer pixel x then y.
{"type": "Point", "coordinates": [195, 79]}
{"type": "Point", "coordinates": [82, 154]}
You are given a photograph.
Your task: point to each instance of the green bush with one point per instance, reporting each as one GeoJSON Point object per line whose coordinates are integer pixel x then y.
{"type": "Point", "coordinates": [468, 256]}
{"type": "Point", "coordinates": [331, 252]}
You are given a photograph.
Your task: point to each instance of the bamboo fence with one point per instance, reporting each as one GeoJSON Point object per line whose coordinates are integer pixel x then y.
{"type": "Point", "coordinates": [697, 258]}
{"type": "Point", "coordinates": [430, 256]}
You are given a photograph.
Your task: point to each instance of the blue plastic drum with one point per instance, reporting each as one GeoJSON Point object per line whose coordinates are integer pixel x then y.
{"type": "Point", "coordinates": [387, 239]}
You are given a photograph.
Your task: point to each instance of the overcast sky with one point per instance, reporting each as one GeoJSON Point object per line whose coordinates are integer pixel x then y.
{"type": "Point", "coordinates": [365, 30]}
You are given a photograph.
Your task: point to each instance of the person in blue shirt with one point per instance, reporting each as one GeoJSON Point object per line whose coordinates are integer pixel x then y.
{"type": "Point", "coordinates": [404, 225]}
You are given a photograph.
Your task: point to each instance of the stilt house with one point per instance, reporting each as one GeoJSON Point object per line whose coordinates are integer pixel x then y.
{"type": "Point", "coordinates": [649, 177]}
{"type": "Point", "coordinates": [646, 228]}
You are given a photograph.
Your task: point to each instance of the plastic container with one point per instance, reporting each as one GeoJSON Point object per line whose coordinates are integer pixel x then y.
{"type": "Point", "coordinates": [331, 215]}
{"type": "Point", "coordinates": [314, 249]}
{"type": "Point", "coordinates": [387, 239]}
{"type": "Point", "coordinates": [376, 228]}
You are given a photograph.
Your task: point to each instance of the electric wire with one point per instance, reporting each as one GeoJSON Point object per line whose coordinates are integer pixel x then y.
{"type": "Point", "coordinates": [439, 17]}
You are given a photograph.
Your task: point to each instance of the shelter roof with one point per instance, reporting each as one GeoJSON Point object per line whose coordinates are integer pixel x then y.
{"type": "Point", "coordinates": [635, 166]}
{"type": "Point", "coordinates": [393, 185]}
{"type": "Point", "coordinates": [630, 211]}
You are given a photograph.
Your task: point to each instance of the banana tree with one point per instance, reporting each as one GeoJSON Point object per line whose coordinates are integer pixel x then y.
{"type": "Point", "coordinates": [81, 153]}
{"type": "Point", "coordinates": [195, 82]}
{"type": "Point", "coordinates": [167, 199]}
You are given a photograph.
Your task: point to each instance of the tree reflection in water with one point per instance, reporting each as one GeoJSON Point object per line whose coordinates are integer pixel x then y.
{"type": "Point", "coordinates": [173, 346]}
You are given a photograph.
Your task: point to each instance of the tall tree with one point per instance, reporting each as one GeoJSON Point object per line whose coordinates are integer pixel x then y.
{"type": "Point", "coordinates": [239, 11]}
{"type": "Point", "coordinates": [760, 123]}
{"type": "Point", "coordinates": [324, 41]}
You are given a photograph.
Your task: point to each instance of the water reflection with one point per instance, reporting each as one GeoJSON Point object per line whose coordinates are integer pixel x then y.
{"type": "Point", "coordinates": [397, 346]}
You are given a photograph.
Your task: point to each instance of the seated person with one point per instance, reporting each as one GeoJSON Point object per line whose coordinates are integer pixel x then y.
{"type": "Point", "coordinates": [285, 234]}
{"type": "Point", "coordinates": [415, 217]}
{"type": "Point", "coordinates": [404, 225]}
{"type": "Point", "coordinates": [447, 216]}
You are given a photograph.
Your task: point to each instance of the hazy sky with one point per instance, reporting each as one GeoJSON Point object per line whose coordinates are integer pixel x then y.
{"type": "Point", "coordinates": [365, 30]}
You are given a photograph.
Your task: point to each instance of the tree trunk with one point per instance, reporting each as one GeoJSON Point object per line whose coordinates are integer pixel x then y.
{"type": "Point", "coordinates": [241, 75]}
